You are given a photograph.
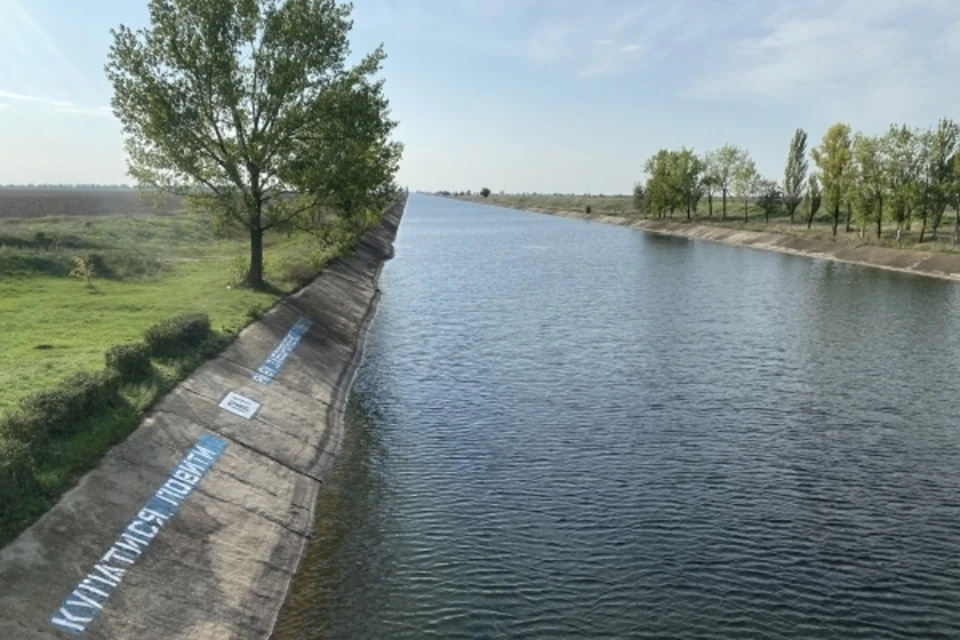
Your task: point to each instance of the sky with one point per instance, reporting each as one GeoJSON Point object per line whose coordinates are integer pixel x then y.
{"type": "Point", "coordinates": [549, 96]}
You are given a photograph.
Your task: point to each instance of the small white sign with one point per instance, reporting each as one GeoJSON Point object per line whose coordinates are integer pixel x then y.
{"type": "Point", "coordinates": [240, 405]}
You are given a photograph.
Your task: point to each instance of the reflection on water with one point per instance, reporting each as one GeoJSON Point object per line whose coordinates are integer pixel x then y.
{"type": "Point", "coordinates": [621, 435]}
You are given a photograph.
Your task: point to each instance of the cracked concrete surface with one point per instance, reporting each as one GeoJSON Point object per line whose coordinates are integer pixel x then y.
{"type": "Point", "coordinates": [221, 565]}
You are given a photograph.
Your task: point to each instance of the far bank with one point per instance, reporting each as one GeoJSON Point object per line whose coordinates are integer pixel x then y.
{"type": "Point", "coordinates": [933, 264]}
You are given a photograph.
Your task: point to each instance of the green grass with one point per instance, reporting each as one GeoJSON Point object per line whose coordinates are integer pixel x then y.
{"type": "Point", "coordinates": [53, 325]}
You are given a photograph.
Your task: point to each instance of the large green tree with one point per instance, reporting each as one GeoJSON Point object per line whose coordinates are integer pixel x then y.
{"type": "Point", "coordinates": [868, 188]}
{"type": "Point", "coordinates": [722, 166]}
{"type": "Point", "coordinates": [251, 108]}
{"type": "Point", "coordinates": [746, 182]}
{"type": "Point", "coordinates": [902, 173]}
{"type": "Point", "coordinates": [685, 176]}
{"type": "Point", "coordinates": [795, 175]}
{"type": "Point", "coordinates": [834, 159]}
{"type": "Point", "coordinates": [814, 198]}
{"type": "Point", "coordinates": [942, 145]}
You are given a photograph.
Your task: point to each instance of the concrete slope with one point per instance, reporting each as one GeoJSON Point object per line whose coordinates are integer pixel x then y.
{"type": "Point", "coordinates": [194, 526]}
{"type": "Point", "coordinates": [923, 263]}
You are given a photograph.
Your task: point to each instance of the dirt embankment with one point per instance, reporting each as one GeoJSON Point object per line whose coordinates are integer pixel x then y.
{"type": "Point", "coordinates": [195, 525]}
{"type": "Point", "coordinates": [936, 265]}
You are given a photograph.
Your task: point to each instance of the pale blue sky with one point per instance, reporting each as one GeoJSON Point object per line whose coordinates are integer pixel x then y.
{"type": "Point", "coordinates": [534, 95]}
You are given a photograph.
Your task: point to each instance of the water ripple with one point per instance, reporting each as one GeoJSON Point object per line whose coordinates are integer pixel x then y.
{"type": "Point", "coordinates": [618, 435]}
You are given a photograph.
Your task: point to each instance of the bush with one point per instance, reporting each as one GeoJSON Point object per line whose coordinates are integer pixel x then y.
{"type": "Point", "coordinates": [174, 337]}
{"type": "Point", "coordinates": [588, 208]}
{"type": "Point", "coordinates": [17, 474]}
{"type": "Point", "coordinates": [131, 361]}
{"type": "Point", "coordinates": [300, 273]}
{"type": "Point", "coordinates": [61, 411]}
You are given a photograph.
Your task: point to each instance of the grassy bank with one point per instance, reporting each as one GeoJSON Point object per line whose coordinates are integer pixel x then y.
{"type": "Point", "coordinates": [145, 269]}
{"type": "Point", "coordinates": [622, 205]}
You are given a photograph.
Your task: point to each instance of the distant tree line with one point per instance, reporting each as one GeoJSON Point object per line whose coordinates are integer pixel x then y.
{"type": "Point", "coordinates": [907, 176]}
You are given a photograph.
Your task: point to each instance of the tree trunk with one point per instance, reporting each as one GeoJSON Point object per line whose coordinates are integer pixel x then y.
{"type": "Point", "coordinates": [956, 224]}
{"type": "Point", "coordinates": [848, 219]}
{"type": "Point", "coordinates": [810, 217]}
{"type": "Point", "coordinates": [710, 204]}
{"type": "Point", "coordinates": [923, 229]}
{"type": "Point", "coordinates": [723, 210]}
{"type": "Point", "coordinates": [880, 220]}
{"type": "Point", "coordinates": [254, 278]}
{"type": "Point", "coordinates": [836, 220]}
{"type": "Point", "coordinates": [688, 209]}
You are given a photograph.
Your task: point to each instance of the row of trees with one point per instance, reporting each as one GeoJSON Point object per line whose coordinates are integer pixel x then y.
{"type": "Point", "coordinates": [906, 176]}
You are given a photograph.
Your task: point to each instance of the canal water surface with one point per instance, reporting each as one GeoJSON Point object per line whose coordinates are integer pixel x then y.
{"type": "Point", "coordinates": [569, 430]}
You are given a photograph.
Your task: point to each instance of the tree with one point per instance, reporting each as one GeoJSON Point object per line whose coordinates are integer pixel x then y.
{"type": "Point", "coordinates": [795, 175]}
{"type": "Point", "coordinates": [833, 158]}
{"type": "Point", "coordinates": [638, 195]}
{"type": "Point", "coordinates": [745, 182]}
{"type": "Point", "coordinates": [814, 198]}
{"type": "Point", "coordinates": [685, 169]}
{"type": "Point", "coordinates": [941, 149]}
{"type": "Point", "coordinates": [485, 192]}
{"type": "Point", "coordinates": [708, 185]}
{"type": "Point", "coordinates": [722, 166]}
{"type": "Point", "coordinates": [868, 187]}
{"type": "Point", "coordinates": [771, 198]}
{"type": "Point", "coordinates": [902, 171]}
{"type": "Point", "coordinates": [661, 195]}
{"type": "Point", "coordinates": [250, 109]}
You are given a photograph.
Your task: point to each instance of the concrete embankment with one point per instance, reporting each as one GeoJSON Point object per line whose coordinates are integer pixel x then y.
{"type": "Point", "coordinates": [924, 263]}
{"type": "Point", "coordinates": [195, 525]}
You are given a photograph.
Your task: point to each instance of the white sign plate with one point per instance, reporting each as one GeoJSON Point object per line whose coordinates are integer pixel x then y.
{"type": "Point", "coordinates": [240, 405]}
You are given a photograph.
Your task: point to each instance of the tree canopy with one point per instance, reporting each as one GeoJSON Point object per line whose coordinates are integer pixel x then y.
{"type": "Point", "coordinates": [251, 109]}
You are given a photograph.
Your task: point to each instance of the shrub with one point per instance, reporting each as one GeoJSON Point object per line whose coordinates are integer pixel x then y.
{"type": "Point", "coordinates": [174, 337]}
{"type": "Point", "coordinates": [588, 208]}
{"type": "Point", "coordinates": [131, 361]}
{"type": "Point", "coordinates": [300, 273]}
{"type": "Point", "coordinates": [17, 474]}
{"type": "Point", "coordinates": [61, 411]}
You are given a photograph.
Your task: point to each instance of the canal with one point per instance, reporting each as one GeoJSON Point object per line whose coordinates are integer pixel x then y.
{"type": "Point", "coordinates": [568, 430]}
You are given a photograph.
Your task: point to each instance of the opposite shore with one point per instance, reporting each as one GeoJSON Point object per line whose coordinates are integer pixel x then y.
{"type": "Point", "coordinates": [925, 263]}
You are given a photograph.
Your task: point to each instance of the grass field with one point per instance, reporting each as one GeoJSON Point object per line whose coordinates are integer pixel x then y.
{"type": "Point", "coordinates": [622, 205]}
{"type": "Point", "coordinates": [148, 268]}
{"type": "Point", "coordinates": [151, 267]}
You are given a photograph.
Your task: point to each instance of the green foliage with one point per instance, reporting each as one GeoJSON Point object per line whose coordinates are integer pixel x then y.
{"type": "Point", "coordinates": [795, 175]}
{"type": "Point", "coordinates": [940, 149]}
{"type": "Point", "coordinates": [61, 411]}
{"type": "Point", "coordinates": [83, 269]}
{"type": "Point", "coordinates": [834, 160]}
{"type": "Point", "coordinates": [638, 197]}
{"type": "Point", "coordinates": [485, 192]}
{"type": "Point", "coordinates": [17, 474]}
{"type": "Point", "coordinates": [130, 361]}
{"type": "Point", "coordinates": [746, 181]}
{"type": "Point", "coordinates": [174, 337]}
{"type": "Point", "coordinates": [867, 190]}
{"type": "Point", "coordinates": [770, 199]}
{"type": "Point", "coordinates": [722, 167]}
{"type": "Point", "coordinates": [240, 104]}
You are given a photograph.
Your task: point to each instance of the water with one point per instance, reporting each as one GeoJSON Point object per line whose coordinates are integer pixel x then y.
{"type": "Point", "coordinates": [571, 430]}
